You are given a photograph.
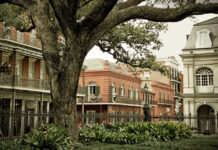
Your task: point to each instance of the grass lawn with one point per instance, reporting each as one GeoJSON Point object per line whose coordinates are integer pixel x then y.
{"type": "Point", "coordinates": [197, 143]}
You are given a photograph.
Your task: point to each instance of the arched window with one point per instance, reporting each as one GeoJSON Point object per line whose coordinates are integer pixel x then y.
{"type": "Point", "coordinates": [204, 77]}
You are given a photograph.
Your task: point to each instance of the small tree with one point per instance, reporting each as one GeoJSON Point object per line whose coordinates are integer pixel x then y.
{"type": "Point", "coordinates": [83, 24]}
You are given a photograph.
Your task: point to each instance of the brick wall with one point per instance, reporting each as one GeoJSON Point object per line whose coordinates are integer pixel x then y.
{"type": "Point", "coordinates": [13, 34]}
{"type": "Point", "coordinates": [1, 30]}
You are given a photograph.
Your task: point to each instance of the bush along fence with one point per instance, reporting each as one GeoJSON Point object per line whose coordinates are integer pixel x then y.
{"type": "Point", "coordinates": [16, 124]}
{"type": "Point", "coordinates": [134, 133]}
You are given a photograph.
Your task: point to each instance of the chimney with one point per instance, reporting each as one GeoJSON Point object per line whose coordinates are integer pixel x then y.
{"type": "Point", "coordinates": [106, 66]}
{"type": "Point", "coordinates": [118, 67]}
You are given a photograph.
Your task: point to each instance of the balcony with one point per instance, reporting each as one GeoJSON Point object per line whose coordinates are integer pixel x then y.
{"type": "Point", "coordinates": [125, 100]}
{"type": "Point", "coordinates": [10, 81]}
{"type": "Point", "coordinates": [166, 102]}
{"type": "Point", "coordinates": [6, 81]}
{"type": "Point", "coordinates": [175, 79]}
{"type": "Point", "coordinates": [121, 100]}
{"type": "Point", "coordinates": [150, 102]}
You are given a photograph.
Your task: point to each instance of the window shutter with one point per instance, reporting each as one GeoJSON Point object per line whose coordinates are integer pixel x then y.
{"type": "Point", "coordinates": [134, 92]}
{"type": "Point", "coordinates": [97, 90]}
{"type": "Point", "coordinates": [86, 90]}
{"type": "Point", "coordinates": [128, 93]}
{"type": "Point", "coordinates": [124, 92]}
{"type": "Point", "coordinates": [111, 93]}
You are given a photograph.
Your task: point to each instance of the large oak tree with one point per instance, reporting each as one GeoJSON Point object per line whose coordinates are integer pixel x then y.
{"type": "Point", "coordinates": [83, 23]}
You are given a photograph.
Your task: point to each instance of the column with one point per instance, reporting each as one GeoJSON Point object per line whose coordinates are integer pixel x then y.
{"type": "Point", "coordinates": [48, 109]}
{"type": "Point", "coordinates": [185, 78]}
{"type": "Point", "coordinates": [22, 118]}
{"type": "Point", "coordinates": [36, 115]}
{"type": "Point", "coordinates": [192, 111]}
{"type": "Point", "coordinates": [41, 109]}
{"type": "Point", "coordinates": [11, 118]}
{"type": "Point", "coordinates": [186, 110]}
{"type": "Point", "coordinates": [216, 121]}
{"type": "Point", "coordinates": [215, 77]}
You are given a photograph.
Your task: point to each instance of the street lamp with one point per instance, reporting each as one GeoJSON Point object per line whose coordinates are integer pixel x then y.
{"type": "Point", "coordinates": [83, 110]}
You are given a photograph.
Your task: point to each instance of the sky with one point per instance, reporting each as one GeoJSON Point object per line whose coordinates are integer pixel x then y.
{"type": "Point", "coordinates": [174, 40]}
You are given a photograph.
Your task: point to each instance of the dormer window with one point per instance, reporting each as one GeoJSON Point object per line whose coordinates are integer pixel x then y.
{"type": "Point", "coordinates": [203, 39]}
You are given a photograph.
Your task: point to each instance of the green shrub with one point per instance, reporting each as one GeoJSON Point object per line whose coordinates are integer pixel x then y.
{"type": "Point", "coordinates": [48, 137]}
{"type": "Point", "coordinates": [13, 145]}
{"type": "Point", "coordinates": [133, 133]}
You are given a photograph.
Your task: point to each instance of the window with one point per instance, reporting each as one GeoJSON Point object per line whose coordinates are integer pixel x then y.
{"type": "Point", "coordinates": [31, 68]}
{"type": "Point", "coordinates": [204, 77]}
{"type": "Point", "coordinates": [203, 39]}
{"type": "Point", "coordinates": [33, 37]}
{"type": "Point", "coordinates": [90, 116]}
{"type": "Point", "coordinates": [122, 90]}
{"type": "Point", "coordinates": [92, 88]}
{"type": "Point", "coordinates": [19, 67]}
{"type": "Point", "coordinates": [112, 117]}
{"type": "Point", "coordinates": [113, 91]}
{"type": "Point", "coordinates": [169, 98]}
{"type": "Point", "coordinates": [131, 92]}
{"type": "Point", "coordinates": [6, 31]}
{"type": "Point", "coordinates": [165, 98]}
{"type": "Point", "coordinates": [19, 37]}
{"type": "Point", "coordinates": [136, 94]}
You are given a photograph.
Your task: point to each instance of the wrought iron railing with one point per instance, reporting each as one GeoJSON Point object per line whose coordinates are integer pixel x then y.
{"type": "Point", "coordinates": [166, 102]}
{"type": "Point", "coordinates": [24, 82]}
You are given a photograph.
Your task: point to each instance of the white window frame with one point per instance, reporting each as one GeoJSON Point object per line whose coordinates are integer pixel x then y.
{"type": "Point", "coordinates": [19, 37]}
{"type": "Point", "coordinates": [204, 79]}
{"type": "Point", "coordinates": [91, 118]}
{"type": "Point", "coordinates": [203, 39]}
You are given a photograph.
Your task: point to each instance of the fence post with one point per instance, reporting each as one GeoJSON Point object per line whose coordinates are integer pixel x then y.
{"type": "Point", "coordinates": [190, 120]}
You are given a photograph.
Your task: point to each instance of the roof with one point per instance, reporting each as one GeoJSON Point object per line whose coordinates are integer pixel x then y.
{"type": "Point", "coordinates": [208, 22]}
{"type": "Point", "coordinates": [211, 26]}
{"type": "Point", "coordinates": [99, 64]}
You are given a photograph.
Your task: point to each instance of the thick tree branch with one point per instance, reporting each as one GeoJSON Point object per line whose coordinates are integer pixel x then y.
{"type": "Point", "coordinates": [153, 14]}
{"type": "Point", "coordinates": [65, 12]}
{"type": "Point", "coordinates": [21, 3]}
{"type": "Point", "coordinates": [170, 14]}
{"type": "Point", "coordinates": [128, 3]}
{"type": "Point", "coordinates": [98, 13]}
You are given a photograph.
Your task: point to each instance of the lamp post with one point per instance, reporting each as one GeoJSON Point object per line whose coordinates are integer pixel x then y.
{"type": "Point", "coordinates": [146, 105]}
{"type": "Point", "coordinates": [83, 110]}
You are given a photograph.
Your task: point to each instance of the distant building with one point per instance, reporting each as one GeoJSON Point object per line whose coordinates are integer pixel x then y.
{"type": "Point", "coordinates": [200, 59]}
{"type": "Point", "coordinates": [24, 87]}
{"type": "Point", "coordinates": [175, 79]}
{"type": "Point", "coordinates": [159, 96]}
{"type": "Point", "coordinates": [110, 89]}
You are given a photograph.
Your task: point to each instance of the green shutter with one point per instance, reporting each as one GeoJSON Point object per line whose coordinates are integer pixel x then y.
{"type": "Point", "coordinates": [97, 90]}
{"type": "Point", "coordinates": [160, 97]}
{"type": "Point", "coordinates": [124, 92]}
{"type": "Point", "coordinates": [111, 93]}
{"type": "Point", "coordinates": [86, 90]}
{"type": "Point", "coordinates": [128, 93]}
{"type": "Point", "coordinates": [134, 92]}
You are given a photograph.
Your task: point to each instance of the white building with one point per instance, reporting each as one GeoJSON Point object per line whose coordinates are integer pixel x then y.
{"type": "Point", "coordinates": [200, 59]}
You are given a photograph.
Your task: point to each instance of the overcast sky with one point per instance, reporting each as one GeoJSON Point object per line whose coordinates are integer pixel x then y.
{"type": "Point", "coordinates": [174, 40]}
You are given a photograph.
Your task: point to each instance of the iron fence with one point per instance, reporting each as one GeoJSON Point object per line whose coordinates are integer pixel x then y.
{"type": "Point", "coordinates": [16, 124]}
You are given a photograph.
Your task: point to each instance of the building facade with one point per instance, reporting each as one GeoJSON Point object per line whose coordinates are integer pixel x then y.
{"type": "Point", "coordinates": [175, 79]}
{"type": "Point", "coordinates": [159, 95]}
{"type": "Point", "coordinates": [110, 89]}
{"type": "Point", "coordinates": [24, 88]}
{"type": "Point", "coordinates": [200, 59]}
